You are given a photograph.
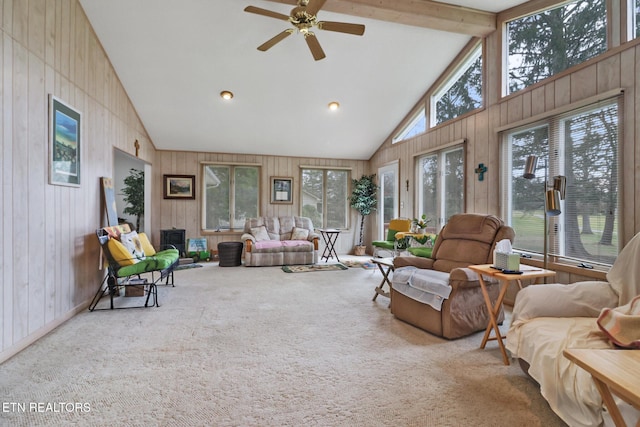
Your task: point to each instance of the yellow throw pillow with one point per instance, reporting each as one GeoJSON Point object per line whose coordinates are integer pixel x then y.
{"type": "Point", "coordinates": [147, 247]}
{"type": "Point", "coordinates": [120, 253]}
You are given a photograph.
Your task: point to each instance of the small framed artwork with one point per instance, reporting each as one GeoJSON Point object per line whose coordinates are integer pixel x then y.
{"type": "Point", "coordinates": [64, 144]}
{"type": "Point", "coordinates": [281, 190]}
{"type": "Point", "coordinates": [179, 186]}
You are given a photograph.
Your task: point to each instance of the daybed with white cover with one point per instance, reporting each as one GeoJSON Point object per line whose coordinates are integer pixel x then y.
{"type": "Point", "coordinates": [550, 318]}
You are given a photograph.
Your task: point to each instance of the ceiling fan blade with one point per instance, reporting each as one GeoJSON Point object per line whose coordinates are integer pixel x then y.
{"type": "Point", "coordinates": [314, 6]}
{"type": "Point", "coordinates": [314, 46]}
{"type": "Point", "coordinates": [265, 12]}
{"type": "Point", "coordinates": [342, 27]}
{"type": "Point", "coordinates": [271, 42]}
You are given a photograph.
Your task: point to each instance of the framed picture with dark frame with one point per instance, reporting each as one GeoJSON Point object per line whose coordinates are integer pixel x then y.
{"type": "Point", "coordinates": [179, 186]}
{"type": "Point", "coordinates": [65, 143]}
{"type": "Point", "coordinates": [281, 189]}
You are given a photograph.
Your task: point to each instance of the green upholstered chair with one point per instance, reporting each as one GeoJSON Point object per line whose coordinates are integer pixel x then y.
{"type": "Point", "coordinates": [396, 225]}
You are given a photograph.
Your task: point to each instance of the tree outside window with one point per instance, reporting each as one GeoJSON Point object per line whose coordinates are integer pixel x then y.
{"type": "Point", "coordinates": [546, 43]}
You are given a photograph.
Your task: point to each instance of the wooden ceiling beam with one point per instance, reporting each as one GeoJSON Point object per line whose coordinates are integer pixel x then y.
{"type": "Point", "coordinates": [420, 13]}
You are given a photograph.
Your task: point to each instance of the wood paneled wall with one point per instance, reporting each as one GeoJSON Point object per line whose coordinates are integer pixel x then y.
{"type": "Point", "coordinates": [49, 255]}
{"type": "Point", "coordinates": [187, 214]}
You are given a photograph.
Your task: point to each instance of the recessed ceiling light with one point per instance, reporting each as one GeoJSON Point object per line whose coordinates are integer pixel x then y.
{"type": "Point", "coordinates": [333, 106]}
{"type": "Point", "coordinates": [225, 94]}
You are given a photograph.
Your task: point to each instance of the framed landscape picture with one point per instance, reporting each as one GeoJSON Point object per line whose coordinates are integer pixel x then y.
{"type": "Point", "coordinates": [179, 186]}
{"type": "Point", "coordinates": [65, 143]}
{"type": "Point", "coordinates": [281, 189]}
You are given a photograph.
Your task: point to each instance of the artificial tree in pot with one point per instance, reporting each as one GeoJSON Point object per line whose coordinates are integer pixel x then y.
{"type": "Point", "coordinates": [134, 194]}
{"type": "Point", "coordinates": [364, 199]}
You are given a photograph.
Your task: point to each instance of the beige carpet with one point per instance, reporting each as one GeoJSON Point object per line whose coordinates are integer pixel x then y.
{"type": "Point", "coordinates": [238, 346]}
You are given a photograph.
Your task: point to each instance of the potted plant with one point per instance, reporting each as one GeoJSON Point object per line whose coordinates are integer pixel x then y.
{"type": "Point", "coordinates": [134, 194]}
{"type": "Point", "coordinates": [364, 199]}
{"type": "Point", "coordinates": [421, 223]}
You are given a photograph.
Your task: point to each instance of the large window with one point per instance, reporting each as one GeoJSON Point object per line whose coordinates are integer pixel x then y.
{"type": "Point", "coordinates": [230, 195]}
{"type": "Point", "coordinates": [462, 92]}
{"type": "Point", "coordinates": [324, 197]}
{"type": "Point", "coordinates": [546, 43]}
{"type": "Point", "coordinates": [440, 177]}
{"type": "Point", "coordinates": [582, 146]}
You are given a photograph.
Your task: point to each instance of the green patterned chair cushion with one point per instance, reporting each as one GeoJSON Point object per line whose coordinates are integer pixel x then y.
{"type": "Point", "coordinates": [160, 261]}
{"type": "Point", "coordinates": [421, 252]}
{"type": "Point", "coordinates": [385, 244]}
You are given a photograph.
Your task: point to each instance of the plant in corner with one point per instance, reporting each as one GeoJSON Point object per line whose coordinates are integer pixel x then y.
{"type": "Point", "coordinates": [364, 199]}
{"type": "Point", "coordinates": [134, 194]}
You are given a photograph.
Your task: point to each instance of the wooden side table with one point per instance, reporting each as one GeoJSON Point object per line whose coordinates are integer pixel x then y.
{"type": "Point", "coordinates": [486, 270]}
{"type": "Point", "coordinates": [386, 266]}
{"type": "Point", "coordinates": [613, 371]}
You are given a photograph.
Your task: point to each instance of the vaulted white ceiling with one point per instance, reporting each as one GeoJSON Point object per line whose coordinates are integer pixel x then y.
{"type": "Point", "coordinates": [174, 57]}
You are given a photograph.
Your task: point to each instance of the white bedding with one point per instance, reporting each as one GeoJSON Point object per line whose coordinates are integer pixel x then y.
{"type": "Point", "coordinates": [569, 389]}
{"type": "Point", "coordinates": [550, 318]}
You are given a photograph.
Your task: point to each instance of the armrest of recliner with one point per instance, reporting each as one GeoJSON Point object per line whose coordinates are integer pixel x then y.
{"type": "Point", "coordinates": [414, 261]}
{"type": "Point", "coordinates": [463, 277]}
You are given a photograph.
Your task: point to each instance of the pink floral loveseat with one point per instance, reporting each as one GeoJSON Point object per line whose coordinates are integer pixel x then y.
{"type": "Point", "coordinates": [285, 240]}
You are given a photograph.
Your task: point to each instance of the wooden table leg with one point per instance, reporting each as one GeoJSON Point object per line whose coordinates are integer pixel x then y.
{"type": "Point", "coordinates": [607, 398]}
{"type": "Point", "coordinates": [385, 279]}
{"type": "Point", "coordinates": [493, 314]}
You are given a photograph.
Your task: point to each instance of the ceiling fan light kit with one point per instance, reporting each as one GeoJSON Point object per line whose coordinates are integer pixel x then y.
{"type": "Point", "coordinates": [303, 18]}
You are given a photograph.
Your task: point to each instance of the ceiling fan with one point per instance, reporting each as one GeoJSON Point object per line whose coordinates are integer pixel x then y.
{"type": "Point", "coordinates": [303, 18]}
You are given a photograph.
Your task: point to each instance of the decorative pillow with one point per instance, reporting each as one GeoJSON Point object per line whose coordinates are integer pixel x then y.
{"type": "Point", "coordinates": [260, 233]}
{"type": "Point", "coordinates": [299, 234]}
{"type": "Point", "coordinates": [120, 254]}
{"type": "Point", "coordinates": [391, 235]}
{"type": "Point", "coordinates": [131, 241]}
{"type": "Point", "coordinates": [147, 247]}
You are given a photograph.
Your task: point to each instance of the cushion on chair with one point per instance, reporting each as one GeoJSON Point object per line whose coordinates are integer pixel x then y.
{"type": "Point", "coordinates": [132, 242]}
{"type": "Point", "coordinates": [120, 253]}
{"type": "Point", "coordinates": [147, 247]}
{"type": "Point", "coordinates": [385, 244]}
{"type": "Point", "coordinates": [299, 234]}
{"type": "Point", "coordinates": [260, 233]}
{"type": "Point", "coordinates": [160, 261]}
{"type": "Point", "coordinates": [423, 252]}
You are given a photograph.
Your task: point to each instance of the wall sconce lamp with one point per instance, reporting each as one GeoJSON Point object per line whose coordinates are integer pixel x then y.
{"type": "Point", "coordinates": [552, 196]}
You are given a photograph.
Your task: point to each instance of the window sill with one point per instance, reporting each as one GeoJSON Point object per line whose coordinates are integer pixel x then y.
{"type": "Point", "coordinates": [595, 273]}
{"type": "Point", "coordinates": [222, 232]}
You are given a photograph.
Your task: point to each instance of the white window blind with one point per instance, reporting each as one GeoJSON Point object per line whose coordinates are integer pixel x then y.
{"type": "Point", "coordinates": [581, 145]}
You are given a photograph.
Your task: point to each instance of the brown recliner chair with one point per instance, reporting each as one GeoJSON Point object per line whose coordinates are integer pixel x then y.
{"type": "Point", "coordinates": [467, 239]}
